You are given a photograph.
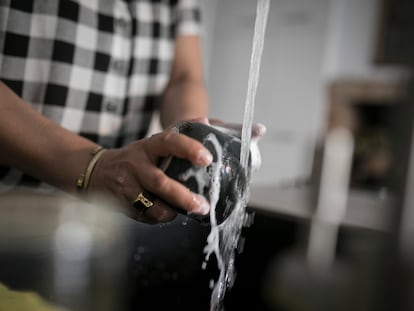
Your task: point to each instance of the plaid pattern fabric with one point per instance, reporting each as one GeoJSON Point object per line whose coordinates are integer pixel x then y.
{"type": "Point", "coordinates": [96, 67]}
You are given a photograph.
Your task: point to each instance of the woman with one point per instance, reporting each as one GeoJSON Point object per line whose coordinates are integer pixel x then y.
{"type": "Point", "coordinates": [80, 81]}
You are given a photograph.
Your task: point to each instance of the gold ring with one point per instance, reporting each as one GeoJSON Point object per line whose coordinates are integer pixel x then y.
{"type": "Point", "coordinates": [142, 202]}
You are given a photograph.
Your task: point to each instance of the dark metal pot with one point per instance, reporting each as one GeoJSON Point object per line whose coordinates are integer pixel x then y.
{"type": "Point", "coordinates": [225, 148]}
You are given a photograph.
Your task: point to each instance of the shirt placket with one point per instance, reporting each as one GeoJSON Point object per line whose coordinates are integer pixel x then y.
{"type": "Point", "coordinates": [116, 83]}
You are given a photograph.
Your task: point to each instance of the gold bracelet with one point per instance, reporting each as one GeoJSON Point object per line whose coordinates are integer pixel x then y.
{"type": "Point", "coordinates": [82, 182]}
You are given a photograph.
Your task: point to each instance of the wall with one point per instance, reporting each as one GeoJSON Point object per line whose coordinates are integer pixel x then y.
{"type": "Point", "coordinates": [308, 43]}
{"type": "Point", "coordinates": [288, 97]}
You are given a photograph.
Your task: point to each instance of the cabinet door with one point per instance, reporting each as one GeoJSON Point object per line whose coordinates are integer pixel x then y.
{"type": "Point", "coordinates": [289, 96]}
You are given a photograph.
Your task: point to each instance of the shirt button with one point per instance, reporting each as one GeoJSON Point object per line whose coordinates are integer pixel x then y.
{"type": "Point", "coordinates": [121, 24]}
{"type": "Point", "coordinates": [110, 106]}
{"type": "Point", "coordinates": [118, 66]}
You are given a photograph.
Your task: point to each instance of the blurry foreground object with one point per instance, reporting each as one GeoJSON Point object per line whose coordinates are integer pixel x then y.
{"type": "Point", "coordinates": [22, 300]}
{"type": "Point", "coordinates": [69, 252]}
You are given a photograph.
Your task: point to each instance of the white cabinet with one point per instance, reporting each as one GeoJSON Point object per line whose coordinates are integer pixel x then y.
{"type": "Point", "coordinates": [289, 98]}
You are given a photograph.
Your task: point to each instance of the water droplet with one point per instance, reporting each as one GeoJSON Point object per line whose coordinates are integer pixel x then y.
{"type": "Point", "coordinates": [185, 221]}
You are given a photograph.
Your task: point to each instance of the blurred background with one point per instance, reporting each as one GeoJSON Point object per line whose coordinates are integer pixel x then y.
{"type": "Point", "coordinates": [333, 199]}
{"type": "Point", "coordinates": [308, 45]}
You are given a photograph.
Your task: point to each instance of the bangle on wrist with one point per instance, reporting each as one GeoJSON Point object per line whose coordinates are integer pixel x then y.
{"type": "Point", "coordinates": [82, 182]}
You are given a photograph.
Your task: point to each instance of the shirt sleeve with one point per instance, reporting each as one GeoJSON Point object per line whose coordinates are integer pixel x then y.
{"type": "Point", "coordinates": [188, 18]}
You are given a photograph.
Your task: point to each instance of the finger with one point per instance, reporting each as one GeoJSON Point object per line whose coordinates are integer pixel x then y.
{"type": "Point", "coordinates": [130, 190]}
{"type": "Point", "coordinates": [152, 210]}
{"type": "Point", "coordinates": [173, 127]}
{"type": "Point", "coordinates": [258, 129]}
{"type": "Point", "coordinates": [200, 120]}
{"type": "Point", "coordinates": [215, 121]}
{"type": "Point", "coordinates": [154, 180]}
{"type": "Point", "coordinates": [160, 212]}
{"type": "Point", "coordinates": [179, 145]}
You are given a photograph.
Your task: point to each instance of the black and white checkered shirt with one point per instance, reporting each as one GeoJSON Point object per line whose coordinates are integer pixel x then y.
{"type": "Point", "coordinates": [96, 67]}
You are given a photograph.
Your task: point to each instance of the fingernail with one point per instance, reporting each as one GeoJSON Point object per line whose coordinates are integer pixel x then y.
{"type": "Point", "coordinates": [204, 120]}
{"type": "Point", "coordinates": [205, 157]}
{"type": "Point", "coordinates": [203, 206]}
{"type": "Point", "coordinates": [261, 129]}
{"type": "Point", "coordinates": [258, 131]}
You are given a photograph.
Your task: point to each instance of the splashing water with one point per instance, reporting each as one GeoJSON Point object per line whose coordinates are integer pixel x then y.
{"type": "Point", "coordinates": [224, 238]}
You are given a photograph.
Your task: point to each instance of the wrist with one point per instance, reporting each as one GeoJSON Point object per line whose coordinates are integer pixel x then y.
{"type": "Point", "coordinates": [82, 183]}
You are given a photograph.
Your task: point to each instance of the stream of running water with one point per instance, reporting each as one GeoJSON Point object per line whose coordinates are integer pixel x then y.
{"type": "Point", "coordinates": [224, 238]}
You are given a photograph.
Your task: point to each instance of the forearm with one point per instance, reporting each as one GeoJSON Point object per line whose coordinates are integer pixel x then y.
{"type": "Point", "coordinates": [183, 100]}
{"type": "Point", "coordinates": [38, 146]}
{"type": "Point", "coordinates": [185, 96]}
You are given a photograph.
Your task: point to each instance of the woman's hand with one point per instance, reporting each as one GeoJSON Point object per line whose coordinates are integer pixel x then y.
{"type": "Point", "coordinates": [235, 129]}
{"type": "Point", "coordinates": [126, 172]}
{"type": "Point", "coordinates": [258, 129]}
